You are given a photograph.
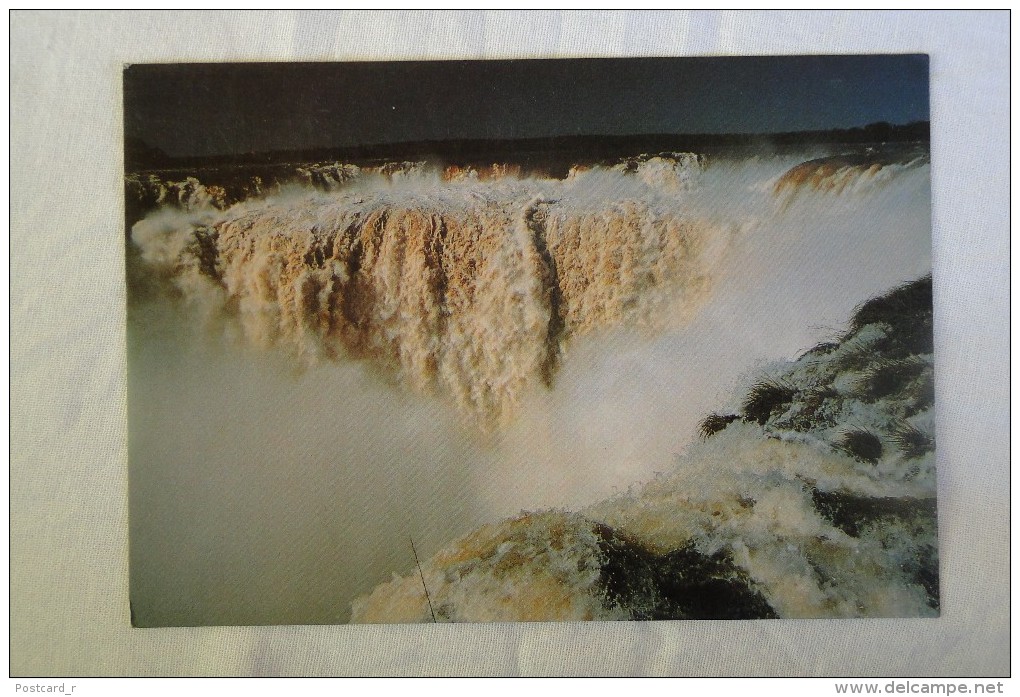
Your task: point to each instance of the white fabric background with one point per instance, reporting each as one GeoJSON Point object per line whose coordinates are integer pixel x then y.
{"type": "Point", "coordinates": [69, 597]}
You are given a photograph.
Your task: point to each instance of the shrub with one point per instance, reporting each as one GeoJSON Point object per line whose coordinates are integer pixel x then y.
{"type": "Point", "coordinates": [713, 423]}
{"type": "Point", "coordinates": [907, 310]}
{"type": "Point", "coordinates": [911, 441]}
{"type": "Point", "coordinates": [860, 444]}
{"type": "Point", "coordinates": [889, 377]}
{"type": "Point", "coordinates": [765, 398]}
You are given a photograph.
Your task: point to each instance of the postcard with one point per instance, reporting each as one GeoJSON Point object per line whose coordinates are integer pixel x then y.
{"type": "Point", "coordinates": [530, 340]}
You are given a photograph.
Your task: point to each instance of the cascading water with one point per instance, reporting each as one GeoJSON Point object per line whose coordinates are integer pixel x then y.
{"type": "Point", "coordinates": [447, 348]}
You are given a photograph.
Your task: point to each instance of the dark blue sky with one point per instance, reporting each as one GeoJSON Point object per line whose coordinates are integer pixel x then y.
{"type": "Point", "coordinates": [229, 108]}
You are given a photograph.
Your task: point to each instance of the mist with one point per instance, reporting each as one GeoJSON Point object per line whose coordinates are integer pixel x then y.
{"type": "Point", "coordinates": [284, 453]}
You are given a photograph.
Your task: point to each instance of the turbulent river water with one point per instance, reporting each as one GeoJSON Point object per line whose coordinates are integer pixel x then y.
{"type": "Point", "coordinates": [319, 374]}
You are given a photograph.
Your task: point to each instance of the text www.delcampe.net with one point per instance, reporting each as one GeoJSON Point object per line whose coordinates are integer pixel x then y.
{"type": "Point", "coordinates": [919, 688]}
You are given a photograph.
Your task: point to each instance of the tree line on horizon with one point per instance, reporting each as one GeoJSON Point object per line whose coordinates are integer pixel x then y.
{"type": "Point", "coordinates": [140, 156]}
